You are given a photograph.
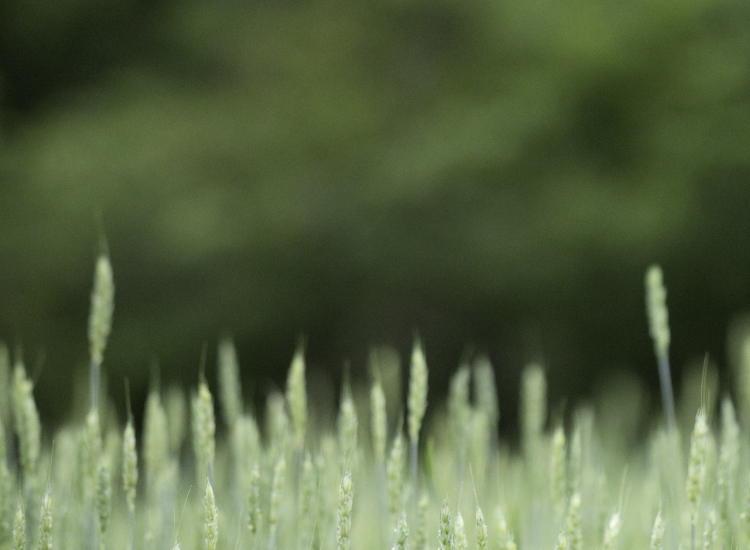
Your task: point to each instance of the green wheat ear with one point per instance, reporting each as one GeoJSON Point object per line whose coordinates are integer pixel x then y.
{"type": "Point", "coordinates": [155, 440]}
{"type": "Point", "coordinates": [485, 390]}
{"type": "Point", "coordinates": [612, 532]}
{"type": "Point", "coordinates": [28, 425]}
{"type": "Point", "coordinates": [379, 433]}
{"type": "Point", "coordinates": [45, 523]}
{"type": "Point", "coordinates": [459, 533]}
{"type": "Point", "coordinates": [204, 430]}
{"type": "Point", "coordinates": [417, 401]}
{"type": "Point", "coordinates": [562, 542]}
{"type": "Point", "coordinates": [394, 476]}
{"type": "Point", "coordinates": [275, 501]}
{"type": "Point", "coordinates": [416, 407]}
{"type": "Point", "coordinates": [533, 402]}
{"type": "Point", "coordinates": [4, 474]}
{"type": "Point", "coordinates": [307, 501]}
{"type": "Point", "coordinates": [343, 530]}
{"type": "Point", "coordinates": [420, 538]}
{"type": "Point", "coordinates": [657, 533]}
{"type": "Point", "coordinates": [445, 531]}
{"type": "Point", "coordinates": [253, 509]}
{"type": "Point", "coordinates": [129, 470]}
{"type": "Point", "coordinates": [696, 468]}
{"type": "Point", "coordinates": [402, 535]}
{"type": "Point", "coordinates": [557, 472]}
{"type": "Point", "coordinates": [504, 535]}
{"type": "Point", "coordinates": [481, 529]}
{"type": "Point", "coordinates": [19, 529]}
{"type": "Point", "coordinates": [347, 427]}
{"type": "Point", "coordinates": [212, 518]}
{"type": "Point", "coordinates": [103, 501]}
{"type": "Point", "coordinates": [296, 397]}
{"type": "Point", "coordinates": [533, 415]}
{"type": "Point", "coordinates": [378, 421]}
{"type": "Point", "coordinates": [230, 387]}
{"type": "Point", "coordinates": [5, 385]}
{"type": "Point", "coordinates": [658, 322]}
{"type": "Point", "coordinates": [573, 527]}
{"type": "Point", "coordinates": [459, 409]}
{"type": "Point", "coordinates": [175, 406]}
{"type": "Point", "coordinates": [729, 460]}
{"type": "Point", "coordinates": [100, 320]}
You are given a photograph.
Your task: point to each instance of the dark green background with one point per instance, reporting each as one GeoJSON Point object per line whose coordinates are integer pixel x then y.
{"type": "Point", "coordinates": [495, 174]}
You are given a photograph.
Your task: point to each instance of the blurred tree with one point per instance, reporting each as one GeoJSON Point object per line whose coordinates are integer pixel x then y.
{"type": "Point", "coordinates": [496, 174]}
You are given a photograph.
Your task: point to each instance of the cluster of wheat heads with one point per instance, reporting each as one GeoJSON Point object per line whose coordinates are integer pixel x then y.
{"type": "Point", "coordinates": [303, 480]}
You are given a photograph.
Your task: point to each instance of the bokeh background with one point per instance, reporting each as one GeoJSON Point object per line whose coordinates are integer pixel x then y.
{"type": "Point", "coordinates": [496, 175]}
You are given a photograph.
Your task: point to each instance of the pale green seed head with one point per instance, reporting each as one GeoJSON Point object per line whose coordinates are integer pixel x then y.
{"type": "Point", "coordinates": [445, 531]}
{"type": "Point", "coordinates": [28, 426]}
{"type": "Point", "coordinates": [19, 529]}
{"type": "Point", "coordinates": [420, 539]}
{"type": "Point", "coordinates": [343, 530]}
{"type": "Point", "coordinates": [485, 390]}
{"type": "Point", "coordinates": [102, 306]}
{"type": "Point", "coordinates": [296, 397]}
{"type": "Point", "coordinates": [6, 492]}
{"type": "Point", "coordinates": [230, 388]}
{"type": "Point", "coordinates": [743, 378]}
{"type": "Point", "coordinates": [557, 471]}
{"type": "Point", "coordinates": [129, 465]}
{"type": "Point", "coordinates": [481, 530]}
{"type": "Point", "coordinates": [417, 398]}
{"type": "Point", "coordinates": [5, 385]}
{"type": "Point", "coordinates": [45, 523]}
{"type": "Point", "coordinates": [479, 431]}
{"type": "Point", "coordinates": [573, 525]}
{"type": "Point", "coordinates": [67, 463]}
{"type": "Point", "coordinates": [533, 404]}
{"type": "Point", "coordinates": [175, 408]}
{"type": "Point", "coordinates": [276, 487]}
{"type": "Point", "coordinates": [103, 498]}
{"type": "Point", "coordinates": [386, 363]}
{"type": "Point", "coordinates": [710, 531]}
{"type": "Point", "coordinates": [112, 451]}
{"type": "Point", "coordinates": [394, 475]}
{"type": "Point", "coordinates": [307, 497]}
{"type": "Point", "coordinates": [504, 535]}
{"type": "Point", "coordinates": [155, 439]}
{"type": "Point", "coordinates": [3, 450]}
{"type": "Point", "coordinates": [347, 424]}
{"type": "Point", "coordinates": [402, 535]}
{"type": "Point", "coordinates": [204, 428]}
{"type": "Point", "coordinates": [459, 533]}
{"type": "Point", "coordinates": [277, 423]}
{"type": "Point", "coordinates": [245, 440]}
{"type": "Point", "coordinates": [93, 451]}
{"type": "Point", "coordinates": [562, 542]}
{"type": "Point", "coordinates": [697, 460]}
{"type": "Point", "coordinates": [657, 533]}
{"type": "Point", "coordinates": [459, 409]}
{"type": "Point", "coordinates": [729, 457]}
{"type": "Point", "coordinates": [378, 421]}
{"type": "Point", "coordinates": [656, 307]}
{"type": "Point", "coordinates": [612, 532]}
{"type": "Point", "coordinates": [575, 461]}
{"type": "Point", "coordinates": [212, 518]}
{"type": "Point", "coordinates": [254, 510]}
